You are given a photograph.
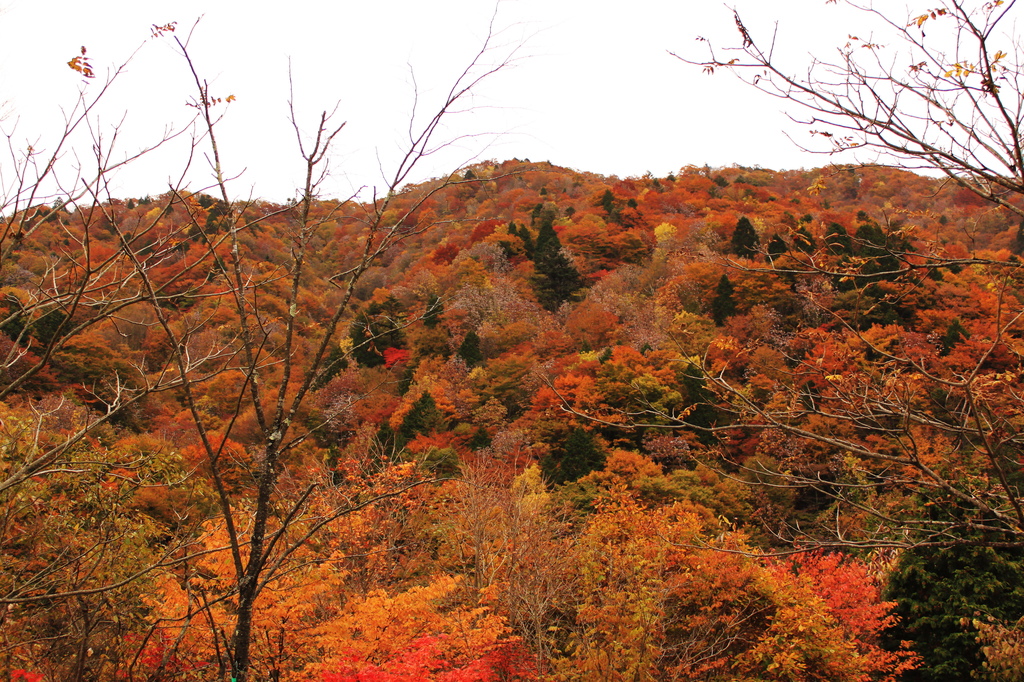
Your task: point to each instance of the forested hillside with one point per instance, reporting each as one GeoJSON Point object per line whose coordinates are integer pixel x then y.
{"type": "Point", "coordinates": [527, 423]}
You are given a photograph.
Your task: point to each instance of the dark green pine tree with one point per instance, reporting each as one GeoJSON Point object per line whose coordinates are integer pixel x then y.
{"type": "Point", "coordinates": [939, 590]}
{"type": "Point", "coordinates": [574, 458]}
{"type": "Point", "coordinates": [435, 308]}
{"type": "Point", "coordinates": [547, 239]}
{"type": "Point", "coordinates": [215, 218]}
{"type": "Point", "coordinates": [479, 440]}
{"type": "Point", "coordinates": [955, 333]}
{"type": "Point", "coordinates": [870, 239]}
{"type": "Point", "coordinates": [375, 330]}
{"type": "Point", "coordinates": [363, 348]}
{"type": "Point", "coordinates": [546, 219]}
{"type": "Point", "coordinates": [469, 349]}
{"type": "Point", "coordinates": [44, 328]}
{"type": "Point", "coordinates": [703, 414]}
{"type": "Point", "coordinates": [777, 246]}
{"type": "Point", "coordinates": [838, 241]}
{"type": "Point", "coordinates": [524, 236]}
{"type": "Point", "coordinates": [555, 278]}
{"type": "Point", "coordinates": [745, 242]}
{"type": "Point", "coordinates": [611, 207]}
{"type": "Point", "coordinates": [405, 381]}
{"type": "Point", "coordinates": [424, 417]}
{"type": "Point", "coordinates": [803, 240]}
{"type": "Point", "coordinates": [723, 306]}
{"type": "Point", "coordinates": [535, 214]}
{"type": "Point", "coordinates": [872, 242]}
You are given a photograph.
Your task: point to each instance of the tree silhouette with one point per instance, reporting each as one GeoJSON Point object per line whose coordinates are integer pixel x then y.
{"type": "Point", "coordinates": [871, 105]}
{"type": "Point", "coordinates": [837, 239]}
{"type": "Point", "coordinates": [376, 330]}
{"type": "Point", "coordinates": [574, 458]}
{"type": "Point", "coordinates": [469, 349]}
{"type": "Point", "coordinates": [423, 418]}
{"type": "Point", "coordinates": [745, 242]}
{"type": "Point", "coordinates": [722, 305]}
{"type": "Point", "coordinates": [555, 279]}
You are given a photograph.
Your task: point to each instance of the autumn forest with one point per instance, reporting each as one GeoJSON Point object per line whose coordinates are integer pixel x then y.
{"type": "Point", "coordinates": [523, 422]}
{"type": "Point", "coordinates": [574, 430]}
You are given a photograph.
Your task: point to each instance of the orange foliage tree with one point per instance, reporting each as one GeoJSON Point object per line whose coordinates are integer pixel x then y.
{"type": "Point", "coordinates": [657, 598]}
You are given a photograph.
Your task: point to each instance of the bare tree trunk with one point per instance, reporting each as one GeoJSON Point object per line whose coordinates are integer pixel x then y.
{"type": "Point", "coordinates": [266, 545]}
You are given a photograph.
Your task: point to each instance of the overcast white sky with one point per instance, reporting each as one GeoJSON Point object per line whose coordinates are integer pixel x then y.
{"type": "Point", "coordinates": [593, 88]}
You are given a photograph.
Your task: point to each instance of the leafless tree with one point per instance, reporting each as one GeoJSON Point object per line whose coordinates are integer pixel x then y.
{"type": "Point", "coordinates": [282, 358]}
{"type": "Point", "coordinates": [940, 90]}
{"type": "Point", "coordinates": [280, 354]}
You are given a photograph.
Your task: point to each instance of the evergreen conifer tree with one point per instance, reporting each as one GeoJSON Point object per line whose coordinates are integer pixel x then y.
{"type": "Point", "coordinates": [838, 241]}
{"type": "Point", "coordinates": [547, 239]}
{"type": "Point", "coordinates": [955, 333]}
{"type": "Point", "coordinates": [722, 305]}
{"type": "Point", "coordinates": [703, 414]}
{"type": "Point", "coordinates": [870, 239]}
{"type": "Point", "coordinates": [535, 214]}
{"type": "Point", "coordinates": [469, 350]}
{"type": "Point", "coordinates": [745, 242]}
{"type": "Point", "coordinates": [777, 246]}
{"type": "Point", "coordinates": [480, 439]}
{"type": "Point", "coordinates": [424, 417]}
{"type": "Point", "coordinates": [376, 329]}
{"type": "Point", "coordinates": [555, 278]}
{"type": "Point", "coordinates": [405, 381]}
{"type": "Point", "coordinates": [803, 240]}
{"type": "Point", "coordinates": [939, 590]}
{"type": "Point", "coordinates": [524, 235]}
{"type": "Point", "coordinates": [546, 218]}
{"type": "Point", "coordinates": [574, 458]}
{"type": "Point", "coordinates": [435, 308]}
{"type": "Point", "coordinates": [873, 243]}
{"type": "Point", "coordinates": [334, 363]}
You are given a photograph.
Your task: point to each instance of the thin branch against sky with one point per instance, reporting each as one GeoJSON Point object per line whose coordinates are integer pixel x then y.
{"type": "Point", "coordinates": [596, 89]}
